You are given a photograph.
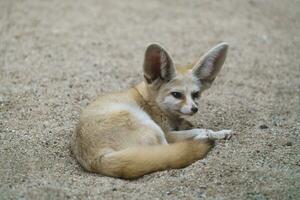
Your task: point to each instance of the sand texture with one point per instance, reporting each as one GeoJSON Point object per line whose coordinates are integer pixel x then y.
{"type": "Point", "coordinates": [58, 56]}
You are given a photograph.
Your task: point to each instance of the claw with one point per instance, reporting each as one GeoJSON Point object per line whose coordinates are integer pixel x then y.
{"type": "Point", "coordinates": [227, 134]}
{"type": "Point", "coordinates": [221, 135]}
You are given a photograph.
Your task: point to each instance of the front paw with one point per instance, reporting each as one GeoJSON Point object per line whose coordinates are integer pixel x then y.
{"type": "Point", "coordinates": [221, 135]}
{"type": "Point", "coordinates": [202, 134]}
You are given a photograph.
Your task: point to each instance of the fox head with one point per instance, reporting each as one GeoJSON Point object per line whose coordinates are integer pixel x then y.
{"type": "Point", "coordinates": [176, 89]}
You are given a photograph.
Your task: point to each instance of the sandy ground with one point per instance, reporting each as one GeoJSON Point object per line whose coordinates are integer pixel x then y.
{"type": "Point", "coordinates": [57, 56]}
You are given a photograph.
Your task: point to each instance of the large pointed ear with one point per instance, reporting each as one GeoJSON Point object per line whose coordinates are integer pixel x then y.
{"type": "Point", "coordinates": [158, 65]}
{"type": "Point", "coordinates": [209, 65]}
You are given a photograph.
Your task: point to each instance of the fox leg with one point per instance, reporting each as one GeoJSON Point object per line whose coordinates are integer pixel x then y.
{"type": "Point", "coordinates": [176, 136]}
{"type": "Point", "coordinates": [213, 135]}
{"type": "Point", "coordinates": [198, 134]}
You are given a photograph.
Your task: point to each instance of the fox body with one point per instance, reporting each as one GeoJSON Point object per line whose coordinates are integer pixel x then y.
{"type": "Point", "coordinates": [143, 130]}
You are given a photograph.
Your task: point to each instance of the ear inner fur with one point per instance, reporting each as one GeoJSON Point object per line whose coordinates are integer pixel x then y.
{"type": "Point", "coordinates": [153, 60]}
{"type": "Point", "coordinates": [158, 64]}
{"type": "Point", "coordinates": [210, 64]}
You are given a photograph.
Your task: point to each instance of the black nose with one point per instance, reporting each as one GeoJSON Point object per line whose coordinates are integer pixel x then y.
{"type": "Point", "coordinates": [194, 109]}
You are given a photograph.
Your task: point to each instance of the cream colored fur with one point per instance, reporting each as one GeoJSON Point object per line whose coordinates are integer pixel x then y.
{"type": "Point", "coordinates": [142, 130]}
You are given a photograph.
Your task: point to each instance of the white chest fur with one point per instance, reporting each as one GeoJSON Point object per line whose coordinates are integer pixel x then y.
{"type": "Point", "coordinates": [139, 114]}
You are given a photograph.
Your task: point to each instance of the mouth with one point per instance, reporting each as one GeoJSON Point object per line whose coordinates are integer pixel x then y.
{"type": "Point", "coordinates": [184, 114]}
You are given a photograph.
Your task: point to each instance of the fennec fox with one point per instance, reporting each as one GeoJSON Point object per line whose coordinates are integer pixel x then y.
{"type": "Point", "coordinates": [143, 129]}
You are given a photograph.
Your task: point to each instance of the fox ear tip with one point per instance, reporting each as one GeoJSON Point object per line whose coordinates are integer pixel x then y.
{"type": "Point", "coordinates": [154, 44]}
{"type": "Point", "coordinates": [222, 45]}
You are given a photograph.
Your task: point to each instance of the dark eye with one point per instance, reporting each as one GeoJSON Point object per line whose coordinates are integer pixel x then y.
{"type": "Point", "coordinates": [195, 95]}
{"type": "Point", "coordinates": [177, 95]}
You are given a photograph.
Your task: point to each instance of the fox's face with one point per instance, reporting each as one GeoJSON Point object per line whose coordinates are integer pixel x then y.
{"type": "Point", "coordinates": [177, 89]}
{"type": "Point", "coordinates": [179, 96]}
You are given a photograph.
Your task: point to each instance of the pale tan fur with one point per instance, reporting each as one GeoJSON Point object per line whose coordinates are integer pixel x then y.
{"type": "Point", "coordinates": [129, 134]}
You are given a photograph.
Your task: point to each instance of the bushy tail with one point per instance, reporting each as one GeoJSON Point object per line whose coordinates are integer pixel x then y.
{"type": "Point", "coordinates": [138, 161]}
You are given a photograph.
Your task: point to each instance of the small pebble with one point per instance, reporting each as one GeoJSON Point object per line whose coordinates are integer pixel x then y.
{"type": "Point", "coordinates": [263, 126]}
{"type": "Point", "coordinates": [288, 144]}
{"type": "Point", "coordinates": [270, 145]}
